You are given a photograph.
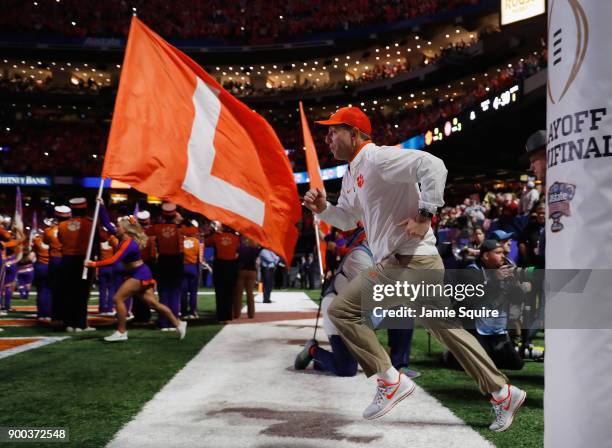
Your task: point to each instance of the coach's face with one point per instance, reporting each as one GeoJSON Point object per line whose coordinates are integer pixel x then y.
{"type": "Point", "coordinates": [340, 141]}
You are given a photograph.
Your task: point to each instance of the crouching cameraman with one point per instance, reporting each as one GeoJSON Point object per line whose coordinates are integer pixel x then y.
{"type": "Point", "coordinates": [504, 285]}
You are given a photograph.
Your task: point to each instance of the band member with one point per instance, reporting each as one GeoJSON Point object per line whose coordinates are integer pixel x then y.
{"type": "Point", "coordinates": [194, 252]}
{"type": "Point", "coordinates": [142, 313]}
{"type": "Point", "coordinates": [25, 271]}
{"type": "Point", "coordinates": [169, 261]}
{"type": "Point", "coordinates": [225, 269]}
{"type": "Point", "coordinates": [73, 234]}
{"type": "Point", "coordinates": [50, 238]}
{"type": "Point", "coordinates": [41, 274]}
{"type": "Point", "coordinates": [11, 242]}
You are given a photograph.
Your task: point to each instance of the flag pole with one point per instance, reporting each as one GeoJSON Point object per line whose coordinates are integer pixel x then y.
{"type": "Point", "coordinates": [316, 226]}
{"type": "Point", "coordinates": [93, 226]}
{"type": "Point", "coordinates": [317, 237]}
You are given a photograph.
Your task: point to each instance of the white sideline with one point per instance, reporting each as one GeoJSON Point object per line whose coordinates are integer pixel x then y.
{"type": "Point", "coordinates": [241, 391]}
{"type": "Point", "coordinates": [36, 343]}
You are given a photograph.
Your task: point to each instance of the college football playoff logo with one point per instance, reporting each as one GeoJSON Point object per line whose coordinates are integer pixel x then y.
{"type": "Point", "coordinates": [560, 195]}
{"type": "Point", "coordinates": [568, 41]}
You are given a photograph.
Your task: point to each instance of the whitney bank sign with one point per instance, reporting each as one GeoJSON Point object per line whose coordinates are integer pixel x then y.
{"type": "Point", "coordinates": [25, 181]}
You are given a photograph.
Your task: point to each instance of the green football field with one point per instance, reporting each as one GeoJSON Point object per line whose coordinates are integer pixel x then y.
{"type": "Point", "coordinates": [93, 388]}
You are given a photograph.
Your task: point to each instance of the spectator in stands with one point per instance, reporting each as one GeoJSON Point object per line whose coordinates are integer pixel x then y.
{"type": "Point", "coordinates": [530, 237]}
{"type": "Point", "coordinates": [507, 221]}
{"type": "Point", "coordinates": [529, 198]}
{"type": "Point", "coordinates": [471, 252]}
{"type": "Point", "coordinates": [220, 22]}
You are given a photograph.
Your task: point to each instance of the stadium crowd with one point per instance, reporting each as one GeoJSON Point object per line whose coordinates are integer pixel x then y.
{"type": "Point", "coordinates": [378, 72]}
{"type": "Point", "coordinates": [254, 22]}
{"type": "Point", "coordinates": [35, 149]}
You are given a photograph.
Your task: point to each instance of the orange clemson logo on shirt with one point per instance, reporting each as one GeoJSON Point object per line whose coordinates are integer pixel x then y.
{"type": "Point", "coordinates": [168, 232]}
{"type": "Point", "coordinates": [360, 181]}
{"type": "Point", "coordinates": [74, 226]}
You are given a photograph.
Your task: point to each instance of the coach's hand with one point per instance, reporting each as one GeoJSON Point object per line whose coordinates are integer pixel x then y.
{"type": "Point", "coordinates": [416, 227]}
{"type": "Point", "coordinates": [315, 200]}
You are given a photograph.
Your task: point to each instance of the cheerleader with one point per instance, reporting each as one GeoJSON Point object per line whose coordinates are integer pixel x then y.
{"type": "Point", "coordinates": [139, 281]}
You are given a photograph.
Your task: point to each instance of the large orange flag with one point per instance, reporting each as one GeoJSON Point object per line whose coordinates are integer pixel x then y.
{"type": "Point", "coordinates": [177, 134]}
{"type": "Point", "coordinates": [314, 176]}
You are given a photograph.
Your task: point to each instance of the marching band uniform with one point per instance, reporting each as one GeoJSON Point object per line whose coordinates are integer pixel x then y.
{"type": "Point", "coordinates": [12, 247]}
{"type": "Point", "coordinates": [169, 262]}
{"type": "Point", "coordinates": [193, 251]}
{"type": "Point", "coordinates": [141, 311]}
{"type": "Point", "coordinates": [73, 234]}
{"type": "Point", "coordinates": [225, 270]}
{"type": "Point", "coordinates": [25, 274]}
{"type": "Point", "coordinates": [50, 238]}
{"type": "Point", "coordinates": [41, 277]}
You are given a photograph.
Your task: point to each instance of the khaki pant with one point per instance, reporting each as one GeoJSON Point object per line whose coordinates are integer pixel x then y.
{"type": "Point", "coordinates": [346, 313]}
{"type": "Point", "coordinates": [245, 282]}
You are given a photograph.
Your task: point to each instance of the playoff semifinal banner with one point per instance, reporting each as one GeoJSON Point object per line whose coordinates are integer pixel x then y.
{"type": "Point", "coordinates": [579, 221]}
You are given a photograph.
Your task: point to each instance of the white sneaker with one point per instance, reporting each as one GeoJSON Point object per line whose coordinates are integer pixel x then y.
{"type": "Point", "coordinates": [388, 395]}
{"type": "Point", "coordinates": [168, 329]}
{"type": "Point", "coordinates": [117, 336]}
{"type": "Point", "coordinates": [182, 330]}
{"type": "Point", "coordinates": [90, 329]}
{"type": "Point", "coordinates": [129, 317]}
{"type": "Point", "coordinates": [70, 329]}
{"type": "Point", "coordinates": [506, 409]}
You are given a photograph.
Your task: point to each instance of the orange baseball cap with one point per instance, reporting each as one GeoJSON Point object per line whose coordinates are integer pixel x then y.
{"type": "Point", "coordinates": [351, 116]}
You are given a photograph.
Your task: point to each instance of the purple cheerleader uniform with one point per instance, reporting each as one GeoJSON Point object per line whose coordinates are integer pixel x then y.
{"type": "Point", "coordinates": [129, 252]}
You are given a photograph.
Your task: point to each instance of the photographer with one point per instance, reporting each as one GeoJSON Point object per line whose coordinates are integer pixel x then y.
{"type": "Point", "coordinates": [501, 285]}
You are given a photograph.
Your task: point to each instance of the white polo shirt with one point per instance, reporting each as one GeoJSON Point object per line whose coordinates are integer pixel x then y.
{"type": "Point", "coordinates": [381, 188]}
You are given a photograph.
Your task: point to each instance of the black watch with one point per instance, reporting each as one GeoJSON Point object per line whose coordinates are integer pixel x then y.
{"type": "Point", "coordinates": [425, 214]}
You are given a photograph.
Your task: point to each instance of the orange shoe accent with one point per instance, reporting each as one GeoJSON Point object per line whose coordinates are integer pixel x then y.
{"type": "Point", "coordinates": [390, 396]}
{"type": "Point", "coordinates": [493, 400]}
{"type": "Point", "coordinates": [509, 398]}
